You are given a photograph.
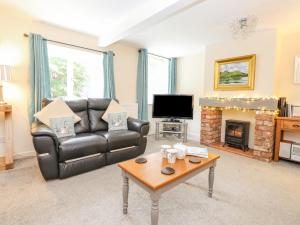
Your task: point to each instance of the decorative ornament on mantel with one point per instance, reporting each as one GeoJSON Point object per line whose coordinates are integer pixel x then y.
{"type": "Point", "coordinates": [265, 104]}
{"type": "Point", "coordinates": [243, 27]}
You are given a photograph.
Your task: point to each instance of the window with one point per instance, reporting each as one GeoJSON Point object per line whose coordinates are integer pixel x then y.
{"type": "Point", "coordinates": [157, 76]}
{"type": "Point", "coordinates": [75, 73]}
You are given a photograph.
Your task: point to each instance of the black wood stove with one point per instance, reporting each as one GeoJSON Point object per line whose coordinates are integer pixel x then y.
{"type": "Point", "coordinates": [237, 134]}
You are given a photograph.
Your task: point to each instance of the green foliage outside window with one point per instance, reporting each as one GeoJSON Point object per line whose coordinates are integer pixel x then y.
{"type": "Point", "coordinates": [80, 78]}
{"type": "Point", "coordinates": [58, 73]}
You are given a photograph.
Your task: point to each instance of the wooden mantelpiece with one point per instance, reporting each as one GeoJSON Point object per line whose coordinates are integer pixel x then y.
{"type": "Point", "coordinates": [7, 162]}
{"type": "Point", "coordinates": [290, 124]}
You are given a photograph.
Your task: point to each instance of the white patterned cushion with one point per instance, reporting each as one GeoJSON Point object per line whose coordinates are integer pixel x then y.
{"type": "Point", "coordinates": [113, 107]}
{"type": "Point", "coordinates": [117, 121]}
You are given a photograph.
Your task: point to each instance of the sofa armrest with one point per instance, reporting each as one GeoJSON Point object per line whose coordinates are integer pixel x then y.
{"type": "Point", "coordinates": [40, 129]}
{"type": "Point", "coordinates": [45, 143]}
{"type": "Point", "coordinates": [138, 125]}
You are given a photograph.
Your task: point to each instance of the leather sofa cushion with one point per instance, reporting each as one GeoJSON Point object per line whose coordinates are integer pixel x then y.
{"type": "Point", "coordinates": [81, 145]}
{"type": "Point", "coordinates": [96, 109]}
{"type": "Point", "coordinates": [80, 108]}
{"type": "Point", "coordinates": [120, 138]}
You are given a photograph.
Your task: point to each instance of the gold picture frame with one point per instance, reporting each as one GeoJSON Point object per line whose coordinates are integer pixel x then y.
{"type": "Point", "coordinates": [235, 74]}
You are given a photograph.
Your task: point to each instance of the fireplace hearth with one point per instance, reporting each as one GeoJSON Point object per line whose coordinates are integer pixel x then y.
{"type": "Point", "coordinates": [237, 134]}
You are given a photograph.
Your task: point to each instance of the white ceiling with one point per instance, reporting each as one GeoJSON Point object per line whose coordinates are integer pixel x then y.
{"type": "Point", "coordinates": [88, 16]}
{"type": "Point", "coordinates": [168, 27]}
{"type": "Point", "coordinates": [188, 31]}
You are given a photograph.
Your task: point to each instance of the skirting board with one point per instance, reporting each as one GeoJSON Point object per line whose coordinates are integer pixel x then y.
{"type": "Point", "coordinates": [193, 136]}
{"type": "Point", "coordinates": [2, 163]}
{"type": "Point", "coordinates": [23, 155]}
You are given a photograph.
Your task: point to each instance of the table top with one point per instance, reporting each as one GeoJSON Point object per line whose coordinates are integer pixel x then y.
{"type": "Point", "coordinates": [295, 118]}
{"type": "Point", "coordinates": [149, 173]}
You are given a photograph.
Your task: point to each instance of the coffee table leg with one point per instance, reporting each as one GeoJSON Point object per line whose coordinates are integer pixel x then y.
{"type": "Point", "coordinates": [154, 208]}
{"type": "Point", "coordinates": [211, 176]}
{"type": "Point", "coordinates": [125, 192]}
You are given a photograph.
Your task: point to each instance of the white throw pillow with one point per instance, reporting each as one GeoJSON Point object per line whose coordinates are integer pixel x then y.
{"type": "Point", "coordinates": [117, 121]}
{"type": "Point", "coordinates": [113, 107]}
{"type": "Point", "coordinates": [63, 126]}
{"type": "Point", "coordinates": [57, 108]}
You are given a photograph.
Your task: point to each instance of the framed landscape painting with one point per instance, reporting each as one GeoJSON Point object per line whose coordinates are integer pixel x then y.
{"type": "Point", "coordinates": [235, 73]}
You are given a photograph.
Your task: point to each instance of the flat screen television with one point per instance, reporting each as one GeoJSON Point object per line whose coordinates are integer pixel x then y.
{"type": "Point", "coordinates": [173, 106]}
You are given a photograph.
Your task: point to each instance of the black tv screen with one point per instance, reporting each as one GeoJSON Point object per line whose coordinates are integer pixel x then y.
{"type": "Point", "coordinates": [173, 106]}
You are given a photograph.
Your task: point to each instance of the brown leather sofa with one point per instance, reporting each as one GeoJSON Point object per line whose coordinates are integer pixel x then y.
{"type": "Point", "coordinates": [92, 147]}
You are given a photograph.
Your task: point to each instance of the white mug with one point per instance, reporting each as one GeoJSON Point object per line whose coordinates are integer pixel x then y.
{"type": "Point", "coordinates": [181, 150]}
{"type": "Point", "coordinates": [171, 154]}
{"type": "Point", "coordinates": [163, 150]}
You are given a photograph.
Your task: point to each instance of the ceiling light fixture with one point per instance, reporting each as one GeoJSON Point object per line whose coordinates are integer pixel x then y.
{"type": "Point", "coordinates": [242, 28]}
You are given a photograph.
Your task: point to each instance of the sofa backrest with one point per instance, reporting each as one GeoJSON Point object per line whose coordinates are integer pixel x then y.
{"type": "Point", "coordinates": [80, 108]}
{"type": "Point", "coordinates": [96, 109]}
{"type": "Point", "coordinates": [90, 111]}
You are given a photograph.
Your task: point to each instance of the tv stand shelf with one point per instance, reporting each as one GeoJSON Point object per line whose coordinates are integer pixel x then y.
{"type": "Point", "coordinates": [177, 128]}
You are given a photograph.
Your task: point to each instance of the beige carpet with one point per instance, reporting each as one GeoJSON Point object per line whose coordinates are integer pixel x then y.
{"type": "Point", "coordinates": [246, 192]}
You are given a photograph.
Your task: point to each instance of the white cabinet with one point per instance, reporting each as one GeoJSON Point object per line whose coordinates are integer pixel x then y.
{"type": "Point", "coordinates": [285, 150]}
{"type": "Point", "coordinates": [295, 155]}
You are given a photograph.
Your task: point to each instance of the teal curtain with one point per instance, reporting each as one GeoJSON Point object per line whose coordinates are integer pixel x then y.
{"type": "Point", "coordinates": [39, 73]}
{"type": "Point", "coordinates": [109, 80]}
{"type": "Point", "coordinates": [142, 85]}
{"type": "Point", "coordinates": [172, 75]}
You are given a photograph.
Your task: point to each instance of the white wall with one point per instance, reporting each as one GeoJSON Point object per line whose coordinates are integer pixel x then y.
{"type": "Point", "coordinates": [125, 66]}
{"type": "Point", "coordinates": [274, 70]}
{"type": "Point", "coordinates": [190, 80]}
{"type": "Point", "coordinates": [14, 50]}
{"type": "Point", "coordinates": [263, 44]}
{"type": "Point", "coordinates": [290, 47]}
{"type": "Point", "coordinates": [196, 74]}
{"type": "Point", "coordinates": [287, 87]}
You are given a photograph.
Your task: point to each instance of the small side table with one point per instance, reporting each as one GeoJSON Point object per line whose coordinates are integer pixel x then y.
{"type": "Point", "coordinates": [8, 151]}
{"type": "Point", "coordinates": [290, 124]}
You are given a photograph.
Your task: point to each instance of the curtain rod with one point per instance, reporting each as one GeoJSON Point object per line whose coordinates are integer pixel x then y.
{"type": "Point", "coordinates": [76, 46]}
{"type": "Point", "coordinates": [157, 55]}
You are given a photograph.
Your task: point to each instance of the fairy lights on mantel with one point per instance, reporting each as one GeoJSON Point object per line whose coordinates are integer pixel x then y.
{"type": "Point", "coordinates": [245, 104]}
{"type": "Point", "coordinates": [254, 98]}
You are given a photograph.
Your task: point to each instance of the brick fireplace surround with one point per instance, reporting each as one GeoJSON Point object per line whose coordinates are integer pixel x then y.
{"type": "Point", "coordinates": [211, 122]}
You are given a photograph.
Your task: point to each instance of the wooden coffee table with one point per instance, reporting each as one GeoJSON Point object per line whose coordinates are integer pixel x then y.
{"type": "Point", "coordinates": [149, 177]}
